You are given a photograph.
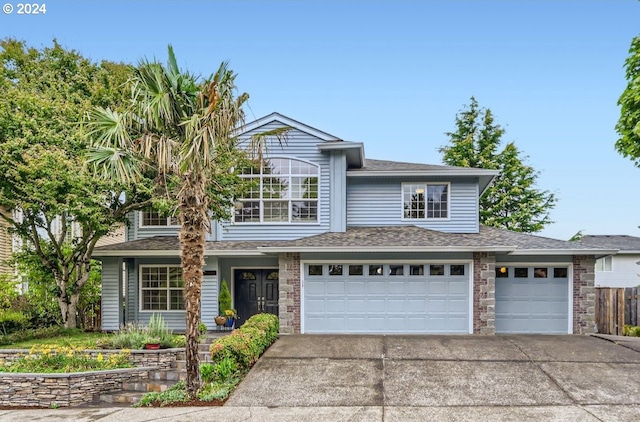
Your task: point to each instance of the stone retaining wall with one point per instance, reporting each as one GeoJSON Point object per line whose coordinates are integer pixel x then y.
{"type": "Point", "coordinates": [63, 390]}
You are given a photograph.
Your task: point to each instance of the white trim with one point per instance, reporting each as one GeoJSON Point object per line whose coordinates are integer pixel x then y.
{"type": "Point", "coordinates": [471, 296]}
{"type": "Point", "coordinates": [173, 253]}
{"type": "Point", "coordinates": [261, 200]}
{"type": "Point", "coordinates": [168, 289]}
{"type": "Point", "coordinates": [301, 316]}
{"type": "Point", "coordinates": [386, 249]}
{"type": "Point", "coordinates": [567, 265]}
{"type": "Point", "coordinates": [570, 283]}
{"type": "Point", "coordinates": [525, 252]}
{"type": "Point", "coordinates": [425, 219]}
{"type": "Point", "coordinates": [455, 171]}
{"type": "Point", "coordinates": [285, 121]}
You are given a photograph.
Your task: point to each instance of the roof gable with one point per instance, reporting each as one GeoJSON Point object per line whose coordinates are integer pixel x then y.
{"type": "Point", "coordinates": [287, 121]}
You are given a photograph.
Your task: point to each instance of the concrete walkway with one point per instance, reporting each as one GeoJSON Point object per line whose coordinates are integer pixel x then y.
{"type": "Point", "coordinates": [417, 378]}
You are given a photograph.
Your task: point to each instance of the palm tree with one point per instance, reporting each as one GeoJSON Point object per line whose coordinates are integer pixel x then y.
{"type": "Point", "coordinates": [180, 129]}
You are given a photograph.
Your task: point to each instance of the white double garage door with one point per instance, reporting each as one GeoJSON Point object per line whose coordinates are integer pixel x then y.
{"type": "Point", "coordinates": [425, 298]}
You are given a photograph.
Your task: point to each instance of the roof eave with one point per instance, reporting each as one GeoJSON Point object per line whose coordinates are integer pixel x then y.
{"type": "Point", "coordinates": [354, 151]}
{"type": "Point", "coordinates": [597, 252]}
{"type": "Point", "coordinates": [439, 172]}
{"type": "Point", "coordinates": [346, 249]}
{"type": "Point", "coordinates": [172, 253]}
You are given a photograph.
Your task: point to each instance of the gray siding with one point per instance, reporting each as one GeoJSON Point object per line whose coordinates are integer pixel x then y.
{"type": "Point", "coordinates": [174, 319]}
{"type": "Point", "coordinates": [378, 202]}
{"type": "Point", "coordinates": [134, 231]}
{"type": "Point", "coordinates": [111, 293]}
{"type": "Point", "coordinates": [210, 285]}
{"type": "Point", "coordinates": [302, 146]}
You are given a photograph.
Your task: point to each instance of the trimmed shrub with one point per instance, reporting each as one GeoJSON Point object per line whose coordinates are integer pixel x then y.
{"type": "Point", "coordinates": [224, 297]}
{"type": "Point", "coordinates": [245, 345]}
{"type": "Point", "coordinates": [11, 321]}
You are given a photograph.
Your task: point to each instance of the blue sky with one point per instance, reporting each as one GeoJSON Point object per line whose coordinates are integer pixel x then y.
{"type": "Point", "coordinates": [393, 74]}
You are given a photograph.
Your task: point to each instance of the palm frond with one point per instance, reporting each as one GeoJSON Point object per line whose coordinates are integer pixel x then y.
{"type": "Point", "coordinates": [112, 163]}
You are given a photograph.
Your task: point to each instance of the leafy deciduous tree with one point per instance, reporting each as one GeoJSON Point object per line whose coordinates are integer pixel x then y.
{"type": "Point", "coordinates": [44, 95]}
{"type": "Point", "coordinates": [628, 126]}
{"type": "Point", "coordinates": [512, 202]}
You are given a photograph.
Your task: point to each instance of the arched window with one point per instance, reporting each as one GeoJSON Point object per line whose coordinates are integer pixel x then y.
{"type": "Point", "coordinates": [282, 190]}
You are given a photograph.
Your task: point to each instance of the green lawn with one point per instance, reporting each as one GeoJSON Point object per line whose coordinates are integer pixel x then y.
{"type": "Point", "coordinates": [76, 338]}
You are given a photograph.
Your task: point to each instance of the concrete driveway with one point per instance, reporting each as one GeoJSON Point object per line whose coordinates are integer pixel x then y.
{"type": "Point", "coordinates": [515, 377]}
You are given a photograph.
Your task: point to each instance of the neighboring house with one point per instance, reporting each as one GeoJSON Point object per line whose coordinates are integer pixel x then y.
{"type": "Point", "coordinates": [334, 242]}
{"type": "Point", "coordinates": [5, 246]}
{"type": "Point", "coordinates": [621, 269]}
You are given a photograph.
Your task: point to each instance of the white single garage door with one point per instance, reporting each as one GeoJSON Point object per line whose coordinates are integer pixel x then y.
{"type": "Point", "coordinates": [386, 298]}
{"type": "Point", "coordinates": [532, 300]}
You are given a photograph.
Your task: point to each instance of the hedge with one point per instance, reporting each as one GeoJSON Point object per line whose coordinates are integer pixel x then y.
{"type": "Point", "coordinates": [245, 345]}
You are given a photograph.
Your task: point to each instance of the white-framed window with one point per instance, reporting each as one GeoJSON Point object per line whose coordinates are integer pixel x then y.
{"type": "Point", "coordinates": [604, 263]}
{"type": "Point", "coordinates": [421, 201]}
{"type": "Point", "coordinates": [283, 190]}
{"type": "Point", "coordinates": [152, 218]}
{"type": "Point", "coordinates": [161, 288]}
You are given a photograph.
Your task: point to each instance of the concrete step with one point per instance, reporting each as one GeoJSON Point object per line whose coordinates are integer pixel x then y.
{"type": "Point", "coordinates": [147, 386]}
{"type": "Point", "coordinates": [120, 398]}
{"type": "Point", "coordinates": [167, 375]}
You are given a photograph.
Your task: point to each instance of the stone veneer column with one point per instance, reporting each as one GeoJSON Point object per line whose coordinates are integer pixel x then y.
{"type": "Point", "coordinates": [484, 293]}
{"type": "Point", "coordinates": [584, 295]}
{"type": "Point", "coordinates": [289, 287]}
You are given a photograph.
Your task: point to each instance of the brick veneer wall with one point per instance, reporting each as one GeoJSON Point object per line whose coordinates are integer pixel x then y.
{"type": "Point", "coordinates": [584, 295]}
{"type": "Point", "coordinates": [289, 285]}
{"type": "Point", "coordinates": [484, 293]}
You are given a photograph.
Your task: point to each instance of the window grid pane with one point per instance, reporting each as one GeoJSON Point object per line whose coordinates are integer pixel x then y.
{"type": "Point", "coordinates": [276, 211]}
{"type": "Point", "coordinates": [161, 288]}
{"type": "Point", "coordinates": [437, 201]}
{"type": "Point", "coordinates": [413, 201]}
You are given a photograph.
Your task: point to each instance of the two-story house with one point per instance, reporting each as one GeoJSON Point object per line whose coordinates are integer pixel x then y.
{"type": "Point", "coordinates": [334, 242]}
{"type": "Point", "coordinates": [621, 269]}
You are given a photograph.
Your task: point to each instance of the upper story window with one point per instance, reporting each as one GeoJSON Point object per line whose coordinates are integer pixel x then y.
{"type": "Point", "coordinates": [425, 201]}
{"type": "Point", "coordinates": [604, 263]}
{"type": "Point", "coordinates": [283, 190]}
{"type": "Point", "coordinates": [151, 218]}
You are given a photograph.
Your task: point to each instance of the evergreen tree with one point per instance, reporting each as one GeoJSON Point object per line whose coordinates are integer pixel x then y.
{"type": "Point", "coordinates": [629, 123]}
{"type": "Point", "coordinates": [512, 202]}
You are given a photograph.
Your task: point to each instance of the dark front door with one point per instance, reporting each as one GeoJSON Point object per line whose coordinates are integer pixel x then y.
{"type": "Point", "coordinates": [256, 291]}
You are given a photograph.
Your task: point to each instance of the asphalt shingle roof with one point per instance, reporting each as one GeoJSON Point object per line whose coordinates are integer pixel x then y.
{"type": "Point", "coordinates": [392, 237]}
{"type": "Point", "coordinates": [621, 242]}
{"type": "Point", "coordinates": [399, 236]}
{"type": "Point", "coordinates": [385, 165]}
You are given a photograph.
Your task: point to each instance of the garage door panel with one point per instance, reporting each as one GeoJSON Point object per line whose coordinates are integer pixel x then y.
{"type": "Point", "coordinates": [335, 288]}
{"type": "Point", "coordinates": [417, 287]}
{"type": "Point", "coordinates": [388, 303]}
{"type": "Point", "coordinates": [355, 288]}
{"type": "Point", "coordinates": [375, 287]}
{"type": "Point", "coordinates": [532, 305]}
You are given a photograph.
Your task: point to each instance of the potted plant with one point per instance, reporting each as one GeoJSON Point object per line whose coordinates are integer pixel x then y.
{"type": "Point", "coordinates": [152, 343]}
{"type": "Point", "coordinates": [224, 302]}
{"type": "Point", "coordinates": [231, 316]}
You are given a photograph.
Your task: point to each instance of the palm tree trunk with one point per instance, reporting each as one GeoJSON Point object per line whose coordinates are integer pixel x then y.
{"type": "Point", "coordinates": [193, 212]}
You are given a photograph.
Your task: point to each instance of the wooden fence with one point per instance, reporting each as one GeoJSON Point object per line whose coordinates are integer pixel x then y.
{"type": "Point", "coordinates": [616, 307]}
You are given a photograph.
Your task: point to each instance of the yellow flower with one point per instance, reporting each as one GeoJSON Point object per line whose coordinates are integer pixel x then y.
{"type": "Point", "coordinates": [100, 357]}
